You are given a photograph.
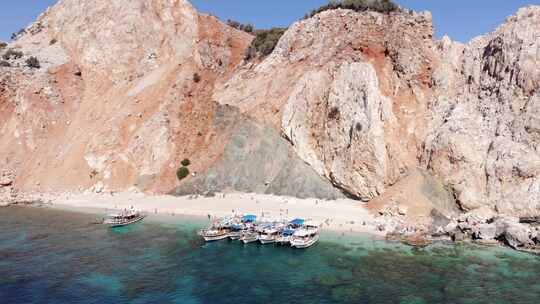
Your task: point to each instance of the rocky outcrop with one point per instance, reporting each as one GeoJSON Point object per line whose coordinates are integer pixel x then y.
{"type": "Point", "coordinates": [257, 160]}
{"type": "Point", "coordinates": [348, 90]}
{"type": "Point", "coordinates": [484, 138]}
{"type": "Point", "coordinates": [513, 233]}
{"type": "Point", "coordinates": [115, 102]}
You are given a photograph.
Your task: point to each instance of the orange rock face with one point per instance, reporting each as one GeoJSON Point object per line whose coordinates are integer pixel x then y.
{"type": "Point", "coordinates": [116, 102]}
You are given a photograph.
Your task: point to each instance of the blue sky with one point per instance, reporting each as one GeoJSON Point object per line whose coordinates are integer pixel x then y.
{"type": "Point", "coordinates": [460, 19]}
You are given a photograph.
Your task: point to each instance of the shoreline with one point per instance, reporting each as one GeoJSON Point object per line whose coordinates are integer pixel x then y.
{"type": "Point", "coordinates": [341, 217]}
{"type": "Point", "coordinates": [172, 210]}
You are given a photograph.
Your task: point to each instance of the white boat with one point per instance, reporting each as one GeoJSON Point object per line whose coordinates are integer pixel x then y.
{"type": "Point", "coordinates": [245, 223]}
{"type": "Point", "coordinates": [268, 235]}
{"type": "Point", "coordinates": [218, 230]}
{"type": "Point", "coordinates": [249, 236]}
{"type": "Point", "coordinates": [215, 234]}
{"type": "Point", "coordinates": [306, 236]}
{"type": "Point", "coordinates": [236, 231]}
{"type": "Point", "coordinates": [285, 236]}
{"type": "Point", "coordinates": [123, 218]}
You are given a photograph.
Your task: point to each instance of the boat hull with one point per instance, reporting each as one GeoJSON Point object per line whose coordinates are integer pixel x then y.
{"type": "Point", "coordinates": [283, 241]}
{"type": "Point", "coordinates": [133, 221]}
{"type": "Point", "coordinates": [215, 237]}
{"type": "Point", "coordinates": [266, 241]}
{"type": "Point", "coordinates": [247, 240]}
{"type": "Point", "coordinates": [304, 244]}
{"type": "Point", "coordinates": [235, 236]}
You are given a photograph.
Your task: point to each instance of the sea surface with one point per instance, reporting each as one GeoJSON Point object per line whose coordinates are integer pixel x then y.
{"type": "Point", "coordinates": [51, 256]}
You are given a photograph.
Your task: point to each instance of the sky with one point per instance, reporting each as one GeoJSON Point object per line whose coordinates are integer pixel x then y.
{"type": "Point", "coordinates": [459, 19]}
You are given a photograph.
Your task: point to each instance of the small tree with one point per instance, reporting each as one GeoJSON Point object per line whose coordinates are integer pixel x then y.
{"type": "Point", "coordinates": [196, 77]}
{"type": "Point", "coordinates": [33, 63]}
{"type": "Point", "coordinates": [4, 63]}
{"type": "Point", "coordinates": [264, 43]}
{"type": "Point", "coordinates": [185, 162]}
{"type": "Point", "coordinates": [182, 173]}
{"type": "Point", "coordinates": [2, 45]}
{"type": "Point", "coordinates": [12, 54]}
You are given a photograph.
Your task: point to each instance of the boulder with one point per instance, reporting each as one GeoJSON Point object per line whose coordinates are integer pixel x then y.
{"type": "Point", "coordinates": [513, 233]}
{"type": "Point", "coordinates": [6, 178]}
{"type": "Point", "coordinates": [485, 232]}
{"type": "Point", "coordinates": [458, 236]}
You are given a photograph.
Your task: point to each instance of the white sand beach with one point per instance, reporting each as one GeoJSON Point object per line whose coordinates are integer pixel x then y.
{"type": "Point", "coordinates": [339, 215]}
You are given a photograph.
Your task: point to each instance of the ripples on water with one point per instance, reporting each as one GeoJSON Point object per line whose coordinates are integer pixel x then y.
{"type": "Point", "coordinates": [49, 256]}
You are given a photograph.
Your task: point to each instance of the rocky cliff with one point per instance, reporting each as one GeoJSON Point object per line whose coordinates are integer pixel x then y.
{"type": "Point", "coordinates": [367, 104]}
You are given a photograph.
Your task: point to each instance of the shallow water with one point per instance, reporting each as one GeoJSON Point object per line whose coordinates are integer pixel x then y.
{"type": "Point", "coordinates": [50, 256]}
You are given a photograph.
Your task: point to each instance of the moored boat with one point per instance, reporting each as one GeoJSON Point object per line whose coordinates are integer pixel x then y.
{"type": "Point", "coordinates": [236, 231]}
{"type": "Point", "coordinates": [268, 234]}
{"type": "Point", "coordinates": [285, 237]}
{"type": "Point", "coordinates": [218, 230]}
{"type": "Point", "coordinates": [306, 236]}
{"type": "Point", "coordinates": [215, 234]}
{"type": "Point", "coordinates": [245, 223]}
{"type": "Point", "coordinates": [123, 218]}
{"type": "Point", "coordinates": [286, 234]}
{"type": "Point", "coordinates": [249, 236]}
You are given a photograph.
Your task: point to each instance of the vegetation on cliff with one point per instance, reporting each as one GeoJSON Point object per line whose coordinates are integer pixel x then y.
{"type": "Point", "coordinates": [382, 6]}
{"type": "Point", "coordinates": [265, 42]}
{"type": "Point", "coordinates": [248, 28]}
{"type": "Point", "coordinates": [182, 173]}
{"type": "Point", "coordinates": [12, 54]}
{"type": "Point", "coordinates": [33, 62]}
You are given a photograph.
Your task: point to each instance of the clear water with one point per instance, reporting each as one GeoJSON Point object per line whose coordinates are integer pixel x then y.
{"type": "Point", "coordinates": [49, 256]}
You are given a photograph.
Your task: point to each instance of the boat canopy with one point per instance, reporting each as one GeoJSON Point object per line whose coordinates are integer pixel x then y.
{"type": "Point", "coordinates": [288, 232]}
{"type": "Point", "coordinates": [297, 222]}
{"type": "Point", "coordinates": [270, 230]}
{"type": "Point", "coordinates": [237, 227]}
{"type": "Point", "coordinates": [249, 218]}
{"type": "Point", "coordinates": [122, 214]}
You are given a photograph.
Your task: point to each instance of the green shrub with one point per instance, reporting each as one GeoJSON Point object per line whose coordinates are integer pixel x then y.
{"type": "Point", "coordinates": [382, 6]}
{"type": "Point", "coordinates": [182, 173]}
{"type": "Point", "coordinates": [196, 77]}
{"type": "Point", "coordinates": [185, 162]}
{"type": "Point", "coordinates": [33, 62]}
{"type": "Point", "coordinates": [53, 41]}
{"type": "Point", "coordinates": [265, 42]}
{"type": "Point", "coordinates": [2, 45]}
{"type": "Point", "coordinates": [12, 54]}
{"type": "Point", "coordinates": [248, 28]}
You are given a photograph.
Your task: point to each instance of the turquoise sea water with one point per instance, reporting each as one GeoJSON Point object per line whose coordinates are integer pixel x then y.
{"type": "Point", "coordinates": [50, 256]}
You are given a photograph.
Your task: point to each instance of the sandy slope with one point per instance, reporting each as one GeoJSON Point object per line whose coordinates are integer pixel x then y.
{"type": "Point", "coordinates": [339, 215]}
